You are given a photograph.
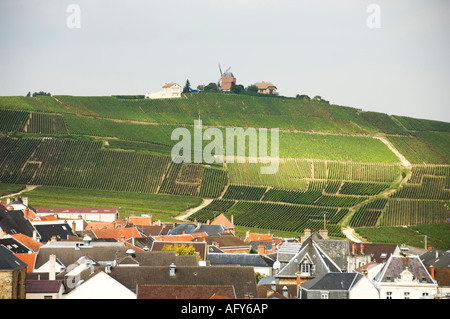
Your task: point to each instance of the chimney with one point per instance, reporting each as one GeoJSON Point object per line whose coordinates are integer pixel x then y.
{"type": "Point", "coordinates": [34, 235]}
{"type": "Point", "coordinates": [25, 201]}
{"type": "Point", "coordinates": [52, 268]}
{"type": "Point", "coordinates": [362, 248]}
{"type": "Point", "coordinates": [285, 292]}
{"type": "Point", "coordinates": [307, 232]}
{"type": "Point", "coordinates": [53, 239]}
{"type": "Point", "coordinates": [173, 269]}
{"type": "Point", "coordinates": [354, 247]}
{"type": "Point", "coordinates": [324, 233]}
{"type": "Point", "coordinates": [8, 200]}
{"type": "Point", "coordinates": [247, 234]}
{"type": "Point", "coordinates": [432, 271]}
{"type": "Point", "coordinates": [26, 213]}
{"type": "Point", "coordinates": [299, 279]}
{"type": "Point", "coordinates": [261, 249]}
{"type": "Point", "coordinates": [74, 227]}
{"type": "Point", "coordinates": [232, 220]}
{"type": "Point", "coordinates": [10, 208]}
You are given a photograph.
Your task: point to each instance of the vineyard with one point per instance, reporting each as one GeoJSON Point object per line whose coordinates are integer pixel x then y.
{"type": "Point", "coordinates": [332, 173]}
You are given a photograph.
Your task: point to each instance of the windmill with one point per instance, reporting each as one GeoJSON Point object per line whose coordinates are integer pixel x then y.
{"type": "Point", "coordinates": [226, 80]}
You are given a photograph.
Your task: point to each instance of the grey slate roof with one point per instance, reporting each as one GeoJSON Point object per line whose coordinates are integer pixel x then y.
{"type": "Point", "coordinates": [241, 278]}
{"type": "Point", "coordinates": [437, 258]}
{"type": "Point", "coordinates": [311, 250]}
{"type": "Point", "coordinates": [254, 260]}
{"type": "Point", "coordinates": [397, 264]}
{"type": "Point", "coordinates": [13, 222]}
{"type": "Point", "coordinates": [333, 281]}
{"type": "Point", "coordinates": [60, 231]}
{"type": "Point", "coordinates": [189, 228]}
{"type": "Point", "coordinates": [14, 245]}
{"type": "Point", "coordinates": [8, 261]}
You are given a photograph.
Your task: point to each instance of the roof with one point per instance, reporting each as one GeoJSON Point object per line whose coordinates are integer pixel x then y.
{"type": "Point", "coordinates": [29, 259]}
{"type": "Point", "coordinates": [13, 245]}
{"type": "Point", "coordinates": [380, 252]}
{"type": "Point", "coordinates": [222, 220]}
{"type": "Point", "coordinates": [43, 286]}
{"type": "Point", "coordinates": [258, 237]}
{"type": "Point", "coordinates": [253, 260]}
{"type": "Point", "coordinates": [436, 257]}
{"type": "Point", "coordinates": [241, 278]}
{"type": "Point", "coordinates": [8, 261]}
{"type": "Point", "coordinates": [60, 231]}
{"type": "Point", "coordinates": [117, 233]}
{"type": "Point", "coordinates": [68, 256]}
{"type": "Point", "coordinates": [264, 85]}
{"type": "Point", "coordinates": [140, 220]}
{"type": "Point", "coordinates": [185, 292]}
{"type": "Point", "coordinates": [396, 266]}
{"type": "Point", "coordinates": [190, 228]}
{"type": "Point", "coordinates": [312, 251]}
{"type": "Point", "coordinates": [224, 241]}
{"type": "Point", "coordinates": [333, 281]}
{"type": "Point", "coordinates": [76, 210]}
{"type": "Point", "coordinates": [13, 222]}
{"type": "Point", "coordinates": [168, 85]}
{"type": "Point", "coordinates": [441, 275]}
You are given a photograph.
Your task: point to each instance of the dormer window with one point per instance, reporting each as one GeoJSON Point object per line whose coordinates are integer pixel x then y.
{"type": "Point", "coordinates": [305, 268]}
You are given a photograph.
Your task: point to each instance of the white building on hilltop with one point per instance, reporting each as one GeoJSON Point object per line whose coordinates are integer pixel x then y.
{"type": "Point", "coordinates": [169, 90]}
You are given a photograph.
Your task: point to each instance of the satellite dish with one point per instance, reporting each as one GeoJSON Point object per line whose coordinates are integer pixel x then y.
{"type": "Point", "coordinates": [276, 265]}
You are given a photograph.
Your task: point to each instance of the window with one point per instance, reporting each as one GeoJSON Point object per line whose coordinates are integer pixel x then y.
{"type": "Point", "coordinates": [425, 294]}
{"type": "Point", "coordinates": [305, 268]}
{"type": "Point", "coordinates": [388, 278]}
{"type": "Point", "coordinates": [406, 295]}
{"type": "Point", "coordinates": [48, 297]}
{"type": "Point", "coordinates": [324, 295]}
{"type": "Point", "coordinates": [389, 295]}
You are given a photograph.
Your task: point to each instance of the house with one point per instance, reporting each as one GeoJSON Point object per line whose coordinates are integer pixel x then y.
{"type": "Point", "coordinates": [276, 291]}
{"type": "Point", "coordinates": [313, 260]}
{"type": "Point", "coordinates": [221, 219]}
{"type": "Point", "coordinates": [405, 277]}
{"type": "Point", "coordinates": [338, 286]}
{"type": "Point", "coordinates": [99, 214]}
{"type": "Point", "coordinates": [169, 90]}
{"type": "Point", "coordinates": [44, 289]}
{"type": "Point", "coordinates": [12, 275]}
{"type": "Point", "coordinates": [241, 278]}
{"type": "Point", "coordinates": [96, 284]}
{"type": "Point", "coordinates": [266, 88]}
{"type": "Point", "coordinates": [186, 292]}
{"type": "Point", "coordinates": [192, 228]}
{"type": "Point", "coordinates": [260, 264]}
{"type": "Point", "coordinates": [51, 231]}
{"type": "Point", "coordinates": [226, 242]}
{"type": "Point", "coordinates": [13, 222]}
{"type": "Point", "coordinates": [437, 263]}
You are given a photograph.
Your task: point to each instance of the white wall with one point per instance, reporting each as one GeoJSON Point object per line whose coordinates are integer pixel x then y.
{"type": "Point", "coordinates": [101, 286]}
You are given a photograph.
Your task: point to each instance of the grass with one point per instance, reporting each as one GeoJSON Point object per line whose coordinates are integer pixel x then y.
{"type": "Point", "coordinates": [6, 189]}
{"type": "Point", "coordinates": [163, 207]}
{"type": "Point", "coordinates": [437, 235]}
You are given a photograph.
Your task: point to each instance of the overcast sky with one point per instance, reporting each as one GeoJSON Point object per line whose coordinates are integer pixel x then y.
{"type": "Point", "coordinates": [399, 65]}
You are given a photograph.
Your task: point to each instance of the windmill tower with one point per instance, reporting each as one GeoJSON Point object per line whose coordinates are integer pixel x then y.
{"type": "Point", "coordinates": [227, 79]}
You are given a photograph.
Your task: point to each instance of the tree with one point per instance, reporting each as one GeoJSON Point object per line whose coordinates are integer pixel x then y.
{"type": "Point", "coordinates": [302, 97]}
{"type": "Point", "coordinates": [252, 88]}
{"type": "Point", "coordinates": [211, 87]}
{"type": "Point", "coordinates": [187, 87]}
{"type": "Point", "coordinates": [180, 249]}
{"type": "Point", "coordinates": [237, 88]}
{"type": "Point", "coordinates": [28, 94]}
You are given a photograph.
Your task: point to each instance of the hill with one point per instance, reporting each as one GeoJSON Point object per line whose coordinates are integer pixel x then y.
{"type": "Point", "coordinates": [337, 166]}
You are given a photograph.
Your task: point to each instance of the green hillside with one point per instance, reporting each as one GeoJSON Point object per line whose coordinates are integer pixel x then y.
{"type": "Point", "coordinates": [331, 165]}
